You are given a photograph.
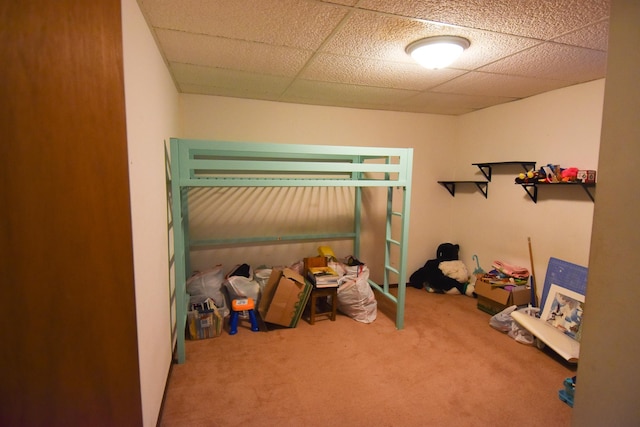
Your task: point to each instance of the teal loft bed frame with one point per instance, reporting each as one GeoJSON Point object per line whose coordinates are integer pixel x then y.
{"type": "Point", "coordinates": [196, 163]}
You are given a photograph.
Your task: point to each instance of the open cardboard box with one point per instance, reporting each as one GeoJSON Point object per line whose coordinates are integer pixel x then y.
{"type": "Point", "coordinates": [284, 298]}
{"type": "Point", "coordinates": [494, 299]}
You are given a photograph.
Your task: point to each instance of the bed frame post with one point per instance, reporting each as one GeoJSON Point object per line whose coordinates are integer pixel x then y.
{"type": "Point", "coordinates": [180, 236]}
{"type": "Point", "coordinates": [404, 247]}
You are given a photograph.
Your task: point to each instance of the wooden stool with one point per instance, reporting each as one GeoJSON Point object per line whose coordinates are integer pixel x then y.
{"type": "Point", "coordinates": [320, 295]}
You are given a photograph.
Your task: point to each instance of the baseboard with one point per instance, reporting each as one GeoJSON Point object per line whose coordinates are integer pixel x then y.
{"type": "Point", "coordinates": [164, 393]}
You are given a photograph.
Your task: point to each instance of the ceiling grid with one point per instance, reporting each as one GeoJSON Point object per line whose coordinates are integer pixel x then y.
{"type": "Point", "coordinates": [351, 53]}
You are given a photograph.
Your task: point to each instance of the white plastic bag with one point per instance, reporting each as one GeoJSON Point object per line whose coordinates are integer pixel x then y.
{"type": "Point", "coordinates": [355, 296]}
{"type": "Point", "coordinates": [208, 284]}
{"type": "Point", "coordinates": [519, 333]}
{"type": "Point", "coordinates": [243, 287]}
{"type": "Point", "coordinates": [339, 268]}
{"type": "Point", "coordinates": [262, 277]}
{"type": "Point", "coordinates": [503, 322]}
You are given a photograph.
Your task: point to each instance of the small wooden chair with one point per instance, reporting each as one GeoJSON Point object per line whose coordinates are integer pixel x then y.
{"type": "Point", "coordinates": [318, 300]}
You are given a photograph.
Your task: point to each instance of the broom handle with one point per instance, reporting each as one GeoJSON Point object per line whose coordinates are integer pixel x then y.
{"type": "Point", "coordinates": [534, 291]}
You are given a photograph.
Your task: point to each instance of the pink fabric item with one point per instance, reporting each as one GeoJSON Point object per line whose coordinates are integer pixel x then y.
{"type": "Point", "coordinates": [511, 270]}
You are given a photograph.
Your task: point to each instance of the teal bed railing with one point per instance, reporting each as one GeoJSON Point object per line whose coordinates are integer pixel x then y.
{"type": "Point", "coordinates": [198, 163]}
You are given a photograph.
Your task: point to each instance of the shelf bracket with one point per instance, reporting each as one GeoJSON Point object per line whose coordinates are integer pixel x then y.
{"type": "Point", "coordinates": [450, 186]}
{"type": "Point", "coordinates": [486, 170]}
{"type": "Point", "coordinates": [586, 189]}
{"type": "Point", "coordinates": [483, 187]}
{"type": "Point", "coordinates": [532, 191]}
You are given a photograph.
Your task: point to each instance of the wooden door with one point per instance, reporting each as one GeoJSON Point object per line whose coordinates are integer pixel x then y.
{"type": "Point", "coordinates": [68, 335]}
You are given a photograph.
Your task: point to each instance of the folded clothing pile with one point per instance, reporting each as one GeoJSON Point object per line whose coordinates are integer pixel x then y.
{"type": "Point", "coordinates": [504, 274]}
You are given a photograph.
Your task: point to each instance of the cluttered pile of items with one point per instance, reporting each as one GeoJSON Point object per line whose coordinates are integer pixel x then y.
{"type": "Point", "coordinates": [505, 285]}
{"type": "Point", "coordinates": [508, 292]}
{"type": "Point", "coordinates": [556, 174]}
{"type": "Point", "coordinates": [556, 322]}
{"type": "Point", "coordinates": [275, 295]}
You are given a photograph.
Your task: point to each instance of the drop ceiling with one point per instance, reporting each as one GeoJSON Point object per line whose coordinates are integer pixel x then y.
{"type": "Point", "coordinates": [351, 53]}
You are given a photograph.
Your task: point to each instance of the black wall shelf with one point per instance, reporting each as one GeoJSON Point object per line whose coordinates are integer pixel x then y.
{"type": "Point", "coordinates": [532, 188]}
{"type": "Point", "coordinates": [483, 186]}
{"type": "Point", "coordinates": [486, 168]}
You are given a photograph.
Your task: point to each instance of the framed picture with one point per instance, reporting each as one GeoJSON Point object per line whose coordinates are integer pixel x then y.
{"type": "Point", "coordinates": [563, 310]}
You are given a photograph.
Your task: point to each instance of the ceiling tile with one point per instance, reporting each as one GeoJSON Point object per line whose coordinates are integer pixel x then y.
{"type": "Point", "coordinates": [295, 23]}
{"type": "Point", "coordinates": [530, 18]}
{"type": "Point", "coordinates": [226, 92]}
{"type": "Point", "coordinates": [487, 47]}
{"type": "Point", "coordinates": [368, 72]}
{"type": "Point", "coordinates": [372, 35]}
{"type": "Point", "coordinates": [553, 61]}
{"type": "Point", "coordinates": [488, 84]}
{"type": "Point", "coordinates": [594, 36]}
{"type": "Point", "coordinates": [231, 54]}
{"type": "Point", "coordinates": [342, 94]}
{"type": "Point", "coordinates": [344, 2]}
{"type": "Point", "coordinates": [240, 84]}
{"type": "Point", "coordinates": [449, 102]}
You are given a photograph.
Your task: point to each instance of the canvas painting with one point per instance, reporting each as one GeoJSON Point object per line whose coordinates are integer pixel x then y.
{"type": "Point", "coordinates": [563, 310]}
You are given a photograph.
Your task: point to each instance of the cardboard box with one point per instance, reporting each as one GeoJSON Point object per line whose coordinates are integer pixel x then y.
{"type": "Point", "coordinates": [284, 298]}
{"type": "Point", "coordinates": [204, 324]}
{"type": "Point", "coordinates": [586, 176]}
{"type": "Point", "coordinates": [494, 299]}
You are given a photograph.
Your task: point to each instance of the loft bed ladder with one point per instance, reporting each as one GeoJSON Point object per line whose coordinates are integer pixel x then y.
{"type": "Point", "coordinates": [197, 163]}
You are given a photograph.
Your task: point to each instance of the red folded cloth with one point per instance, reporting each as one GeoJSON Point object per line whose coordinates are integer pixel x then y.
{"type": "Point", "coordinates": [511, 270]}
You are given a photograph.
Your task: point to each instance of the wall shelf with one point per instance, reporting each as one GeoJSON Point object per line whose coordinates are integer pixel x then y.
{"type": "Point", "coordinates": [486, 168]}
{"type": "Point", "coordinates": [532, 188]}
{"type": "Point", "coordinates": [483, 186]}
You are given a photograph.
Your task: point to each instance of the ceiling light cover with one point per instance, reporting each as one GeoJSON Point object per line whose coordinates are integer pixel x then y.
{"type": "Point", "coordinates": [437, 52]}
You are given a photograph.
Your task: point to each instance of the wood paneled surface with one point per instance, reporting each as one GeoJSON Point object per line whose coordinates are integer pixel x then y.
{"type": "Point", "coordinates": [69, 345]}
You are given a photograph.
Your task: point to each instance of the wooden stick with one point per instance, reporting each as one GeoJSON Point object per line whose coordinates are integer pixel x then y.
{"type": "Point", "coordinates": [534, 291]}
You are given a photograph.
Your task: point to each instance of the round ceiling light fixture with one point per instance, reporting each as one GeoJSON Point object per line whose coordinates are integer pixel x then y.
{"type": "Point", "coordinates": [437, 52]}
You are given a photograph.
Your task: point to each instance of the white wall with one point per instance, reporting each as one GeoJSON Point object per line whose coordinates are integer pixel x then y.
{"type": "Point", "coordinates": [151, 104]}
{"type": "Point", "coordinates": [431, 136]}
{"type": "Point", "coordinates": [560, 127]}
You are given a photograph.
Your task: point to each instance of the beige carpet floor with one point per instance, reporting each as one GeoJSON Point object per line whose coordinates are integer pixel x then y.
{"type": "Point", "coordinates": [447, 367]}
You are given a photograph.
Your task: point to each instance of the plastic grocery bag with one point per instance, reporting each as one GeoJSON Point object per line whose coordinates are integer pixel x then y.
{"type": "Point", "coordinates": [503, 322]}
{"type": "Point", "coordinates": [262, 277]}
{"type": "Point", "coordinates": [241, 286]}
{"type": "Point", "coordinates": [355, 296]}
{"type": "Point", "coordinates": [519, 333]}
{"type": "Point", "coordinates": [208, 284]}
